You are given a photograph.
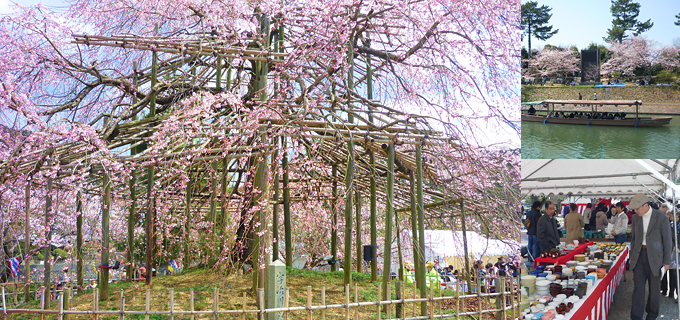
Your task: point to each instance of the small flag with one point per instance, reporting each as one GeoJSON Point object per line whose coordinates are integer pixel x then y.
{"type": "Point", "coordinates": [14, 266]}
{"type": "Point", "coordinates": [174, 264]}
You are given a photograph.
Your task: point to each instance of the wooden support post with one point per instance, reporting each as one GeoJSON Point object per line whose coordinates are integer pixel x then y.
{"type": "Point", "coordinates": [67, 300]}
{"type": "Point", "coordinates": [61, 303]}
{"type": "Point", "coordinates": [27, 245]}
{"type": "Point", "coordinates": [244, 307]}
{"type": "Point", "coordinates": [357, 204]}
{"type": "Point", "coordinates": [286, 205]}
{"type": "Point", "coordinates": [48, 249]}
{"type": "Point", "coordinates": [377, 309]}
{"type": "Point", "coordinates": [458, 290]}
{"type": "Point", "coordinates": [285, 303]}
{"type": "Point", "coordinates": [260, 237]}
{"type": "Point", "coordinates": [356, 300]}
{"type": "Point", "coordinates": [106, 209]}
{"type": "Point", "coordinates": [213, 215]}
{"type": "Point", "coordinates": [400, 306]}
{"type": "Point", "coordinates": [500, 300]}
{"type": "Point", "coordinates": [132, 220]}
{"type": "Point", "coordinates": [417, 257]}
{"type": "Point", "coordinates": [150, 219]}
{"type": "Point", "coordinates": [191, 303]}
{"type": "Point", "coordinates": [346, 301]}
{"type": "Point", "coordinates": [401, 256]}
{"type": "Point", "coordinates": [122, 304]}
{"type": "Point", "coordinates": [415, 291]}
{"type": "Point", "coordinates": [187, 225]}
{"type": "Point", "coordinates": [479, 297]}
{"type": "Point", "coordinates": [388, 294]}
{"type": "Point", "coordinates": [132, 213]}
{"type": "Point", "coordinates": [349, 181]}
{"type": "Point", "coordinates": [389, 207]}
{"type": "Point", "coordinates": [172, 304]}
{"type": "Point", "coordinates": [323, 301]}
{"type": "Point", "coordinates": [260, 302]}
{"type": "Point", "coordinates": [371, 155]}
{"type": "Point", "coordinates": [42, 302]}
{"type": "Point", "coordinates": [95, 303]}
{"type": "Point", "coordinates": [147, 303]}
{"type": "Point", "coordinates": [421, 228]}
{"type": "Point", "coordinates": [216, 298]}
{"type": "Point", "coordinates": [334, 217]}
{"type": "Point", "coordinates": [309, 302]}
{"type": "Point", "coordinates": [4, 304]}
{"type": "Point", "coordinates": [275, 209]}
{"type": "Point", "coordinates": [467, 255]}
{"type": "Point", "coordinates": [79, 240]}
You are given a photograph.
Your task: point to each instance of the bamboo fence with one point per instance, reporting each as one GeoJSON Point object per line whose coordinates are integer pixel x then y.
{"type": "Point", "coordinates": [507, 301]}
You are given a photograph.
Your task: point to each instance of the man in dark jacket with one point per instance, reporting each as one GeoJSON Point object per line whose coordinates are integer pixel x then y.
{"type": "Point", "coordinates": [548, 236]}
{"type": "Point", "coordinates": [651, 229]}
{"type": "Point", "coordinates": [532, 220]}
{"type": "Point", "coordinates": [593, 216]}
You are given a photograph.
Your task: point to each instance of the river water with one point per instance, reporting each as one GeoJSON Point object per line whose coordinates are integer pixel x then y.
{"type": "Point", "coordinates": [565, 141]}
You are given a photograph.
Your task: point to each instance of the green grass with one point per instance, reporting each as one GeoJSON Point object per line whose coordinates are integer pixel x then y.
{"type": "Point", "coordinates": [231, 290]}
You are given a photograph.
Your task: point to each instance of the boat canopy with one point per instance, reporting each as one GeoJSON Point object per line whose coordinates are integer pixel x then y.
{"type": "Point", "coordinates": [597, 102]}
{"type": "Point", "coordinates": [532, 103]}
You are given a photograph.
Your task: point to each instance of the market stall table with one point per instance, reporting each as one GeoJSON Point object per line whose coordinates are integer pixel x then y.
{"type": "Point", "coordinates": [596, 304]}
{"type": "Point", "coordinates": [563, 259]}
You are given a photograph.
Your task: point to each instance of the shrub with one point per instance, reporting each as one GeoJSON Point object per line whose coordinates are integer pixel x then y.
{"type": "Point", "coordinates": [60, 253]}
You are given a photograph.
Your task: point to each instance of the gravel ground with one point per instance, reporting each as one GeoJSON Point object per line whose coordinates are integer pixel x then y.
{"type": "Point", "coordinates": [620, 307]}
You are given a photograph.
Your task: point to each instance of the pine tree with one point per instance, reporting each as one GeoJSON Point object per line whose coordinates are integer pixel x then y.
{"type": "Point", "coordinates": [535, 22]}
{"type": "Point", "coordinates": [625, 14]}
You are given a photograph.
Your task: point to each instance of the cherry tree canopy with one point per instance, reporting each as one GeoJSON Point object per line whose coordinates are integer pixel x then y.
{"type": "Point", "coordinates": [185, 110]}
{"type": "Point", "coordinates": [640, 52]}
{"type": "Point", "coordinates": [553, 62]}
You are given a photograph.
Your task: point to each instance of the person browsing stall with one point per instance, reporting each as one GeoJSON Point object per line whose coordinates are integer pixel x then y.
{"type": "Point", "coordinates": [601, 220]}
{"type": "Point", "coordinates": [531, 222]}
{"type": "Point", "coordinates": [620, 222]}
{"type": "Point", "coordinates": [672, 273]}
{"type": "Point", "coordinates": [650, 255]}
{"type": "Point", "coordinates": [586, 216]}
{"type": "Point", "coordinates": [548, 237]}
{"type": "Point", "coordinates": [573, 222]}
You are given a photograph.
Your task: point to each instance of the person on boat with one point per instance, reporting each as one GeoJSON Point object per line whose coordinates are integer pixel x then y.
{"type": "Point", "coordinates": [532, 110]}
{"type": "Point", "coordinates": [595, 96]}
{"type": "Point", "coordinates": [617, 116]}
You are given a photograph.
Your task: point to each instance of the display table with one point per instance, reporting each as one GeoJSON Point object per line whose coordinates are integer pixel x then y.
{"type": "Point", "coordinates": [563, 259]}
{"type": "Point", "coordinates": [596, 304]}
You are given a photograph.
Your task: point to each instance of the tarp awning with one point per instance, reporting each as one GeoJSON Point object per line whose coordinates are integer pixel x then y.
{"type": "Point", "coordinates": [592, 177]}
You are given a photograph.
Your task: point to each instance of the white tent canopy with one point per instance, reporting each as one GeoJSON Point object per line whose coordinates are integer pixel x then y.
{"type": "Point", "coordinates": [450, 243]}
{"type": "Point", "coordinates": [447, 243]}
{"type": "Point", "coordinates": [594, 177]}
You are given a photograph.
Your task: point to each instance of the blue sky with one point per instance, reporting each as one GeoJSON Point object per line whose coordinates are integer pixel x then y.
{"type": "Point", "coordinates": [54, 4]}
{"type": "Point", "coordinates": [581, 22]}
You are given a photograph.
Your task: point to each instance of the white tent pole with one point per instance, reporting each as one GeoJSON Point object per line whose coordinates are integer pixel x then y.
{"type": "Point", "coordinates": [675, 189]}
{"type": "Point", "coordinates": [658, 175]}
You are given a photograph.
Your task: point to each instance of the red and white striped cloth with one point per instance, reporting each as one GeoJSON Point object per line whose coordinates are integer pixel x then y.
{"type": "Point", "coordinates": [596, 306]}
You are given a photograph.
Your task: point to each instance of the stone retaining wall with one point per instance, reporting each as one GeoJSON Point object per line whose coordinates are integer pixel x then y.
{"type": "Point", "coordinates": [662, 95]}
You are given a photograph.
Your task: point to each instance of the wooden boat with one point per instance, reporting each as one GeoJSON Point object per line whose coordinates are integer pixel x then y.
{"type": "Point", "coordinates": [636, 121]}
{"type": "Point", "coordinates": [628, 122]}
